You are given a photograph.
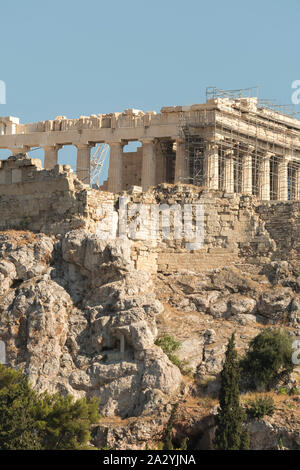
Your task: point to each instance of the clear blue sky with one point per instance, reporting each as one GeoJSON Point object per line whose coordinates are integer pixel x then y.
{"type": "Point", "coordinates": [81, 57]}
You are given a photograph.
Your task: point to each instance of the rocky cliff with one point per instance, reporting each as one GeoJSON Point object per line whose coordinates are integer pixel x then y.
{"type": "Point", "coordinates": [81, 315]}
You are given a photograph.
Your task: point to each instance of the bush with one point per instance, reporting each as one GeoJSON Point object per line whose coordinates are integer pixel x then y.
{"type": "Point", "coordinates": [38, 422]}
{"type": "Point", "coordinates": [260, 407]}
{"type": "Point", "coordinates": [288, 391]}
{"type": "Point", "coordinates": [169, 345]}
{"type": "Point", "coordinates": [268, 358]}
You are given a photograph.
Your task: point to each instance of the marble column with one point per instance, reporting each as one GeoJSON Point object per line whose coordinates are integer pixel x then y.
{"type": "Point", "coordinates": [148, 164]}
{"type": "Point", "coordinates": [297, 184]}
{"type": "Point", "coordinates": [115, 172]}
{"type": "Point", "coordinates": [83, 162]}
{"type": "Point", "coordinates": [211, 166]}
{"type": "Point", "coordinates": [282, 179]}
{"type": "Point", "coordinates": [264, 177]}
{"type": "Point", "coordinates": [228, 184]}
{"type": "Point", "coordinates": [181, 164]}
{"type": "Point", "coordinates": [51, 156]}
{"type": "Point", "coordinates": [247, 170]}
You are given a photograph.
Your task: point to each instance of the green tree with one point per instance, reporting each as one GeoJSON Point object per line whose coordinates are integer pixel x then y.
{"type": "Point", "coordinates": [64, 422]}
{"type": "Point", "coordinates": [268, 358]}
{"type": "Point", "coordinates": [32, 421]}
{"type": "Point", "coordinates": [231, 433]}
{"type": "Point", "coordinates": [245, 439]}
{"type": "Point", "coordinates": [18, 428]}
{"type": "Point", "coordinates": [168, 443]}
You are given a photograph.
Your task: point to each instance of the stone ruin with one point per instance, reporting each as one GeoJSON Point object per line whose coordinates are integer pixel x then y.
{"type": "Point", "coordinates": [233, 144]}
{"type": "Point", "coordinates": [235, 225]}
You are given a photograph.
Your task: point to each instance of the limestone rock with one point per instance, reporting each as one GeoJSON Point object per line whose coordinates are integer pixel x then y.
{"type": "Point", "coordinates": [7, 274]}
{"type": "Point", "coordinates": [204, 300]}
{"type": "Point", "coordinates": [268, 435]}
{"type": "Point", "coordinates": [219, 309]}
{"type": "Point", "coordinates": [36, 322]}
{"type": "Point", "coordinates": [274, 304]}
{"type": "Point", "coordinates": [210, 336]}
{"type": "Point", "coordinates": [160, 373]}
{"type": "Point", "coordinates": [241, 304]}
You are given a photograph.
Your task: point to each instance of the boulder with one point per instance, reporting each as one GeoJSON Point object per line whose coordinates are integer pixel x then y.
{"type": "Point", "coordinates": [274, 304]}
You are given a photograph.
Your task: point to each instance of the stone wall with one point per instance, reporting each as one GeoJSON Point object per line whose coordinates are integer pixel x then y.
{"type": "Point", "coordinates": [236, 227]}
{"type": "Point", "coordinates": [233, 230]}
{"type": "Point", "coordinates": [282, 221]}
{"type": "Point", "coordinates": [132, 168]}
{"type": "Point", "coordinates": [49, 201]}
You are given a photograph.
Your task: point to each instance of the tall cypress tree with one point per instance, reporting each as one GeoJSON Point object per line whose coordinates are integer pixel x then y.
{"type": "Point", "coordinates": [230, 433]}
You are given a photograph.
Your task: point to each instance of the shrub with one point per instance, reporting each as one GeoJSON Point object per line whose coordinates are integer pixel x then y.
{"type": "Point", "coordinates": [288, 391]}
{"type": "Point", "coordinates": [268, 358]}
{"type": "Point", "coordinates": [260, 407]}
{"type": "Point", "coordinates": [294, 391]}
{"type": "Point", "coordinates": [169, 345]}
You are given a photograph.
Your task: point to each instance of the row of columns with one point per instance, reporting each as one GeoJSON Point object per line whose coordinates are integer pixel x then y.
{"type": "Point", "coordinates": [280, 183]}
{"type": "Point", "coordinates": [148, 177]}
{"type": "Point", "coordinates": [51, 159]}
{"type": "Point", "coordinates": [211, 168]}
{"type": "Point", "coordinates": [115, 177]}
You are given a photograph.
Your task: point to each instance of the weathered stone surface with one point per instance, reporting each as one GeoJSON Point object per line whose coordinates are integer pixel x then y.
{"type": "Point", "coordinates": [80, 315]}
{"type": "Point", "coordinates": [36, 323]}
{"type": "Point", "coordinates": [241, 304]}
{"type": "Point", "coordinates": [77, 349]}
{"type": "Point", "coordinates": [7, 274]}
{"type": "Point", "coordinates": [294, 316]}
{"type": "Point", "coordinates": [204, 301]}
{"type": "Point", "coordinates": [131, 434]}
{"type": "Point", "coordinates": [269, 434]}
{"type": "Point", "coordinates": [274, 304]}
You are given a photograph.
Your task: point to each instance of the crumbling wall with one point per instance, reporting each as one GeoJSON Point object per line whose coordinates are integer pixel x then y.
{"type": "Point", "coordinates": [48, 201]}
{"type": "Point", "coordinates": [236, 227]}
{"type": "Point", "coordinates": [232, 230]}
{"type": "Point", "coordinates": [282, 221]}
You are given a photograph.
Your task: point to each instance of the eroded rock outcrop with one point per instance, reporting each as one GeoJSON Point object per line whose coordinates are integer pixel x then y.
{"type": "Point", "coordinates": [78, 318]}
{"type": "Point", "coordinates": [80, 314]}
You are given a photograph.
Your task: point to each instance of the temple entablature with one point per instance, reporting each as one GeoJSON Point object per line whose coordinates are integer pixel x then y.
{"type": "Point", "coordinates": [233, 144]}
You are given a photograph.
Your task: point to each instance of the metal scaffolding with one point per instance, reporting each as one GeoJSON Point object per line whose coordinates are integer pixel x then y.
{"type": "Point", "coordinates": [98, 160]}
{"type": "Point", "coordinates": [265, 129]}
